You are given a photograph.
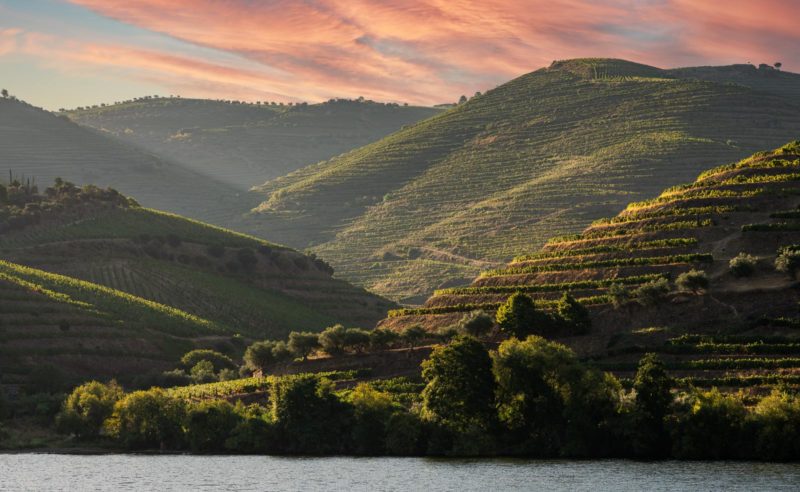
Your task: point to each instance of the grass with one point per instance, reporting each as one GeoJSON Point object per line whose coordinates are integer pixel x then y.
{"type": "Point", "coordinates": [545, 154]}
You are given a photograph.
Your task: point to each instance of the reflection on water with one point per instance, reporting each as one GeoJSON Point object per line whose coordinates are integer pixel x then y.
{"type": "Point", "coordinates": [167, 473]}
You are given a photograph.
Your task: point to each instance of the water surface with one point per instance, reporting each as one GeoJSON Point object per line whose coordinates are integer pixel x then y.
{"type": "Point", "coordinates": [263, 473]}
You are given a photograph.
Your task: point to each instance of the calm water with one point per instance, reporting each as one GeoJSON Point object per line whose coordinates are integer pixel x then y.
{"type": "Point", "coordinates": [163, 473]}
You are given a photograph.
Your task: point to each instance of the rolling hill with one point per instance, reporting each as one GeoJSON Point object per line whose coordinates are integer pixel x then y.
{"type": "Point", "coordinates": [740, 330]}
{"type": "Point", "coordinates": [243, 145]}
{"type": "Point", "coordinates": [247, 285]}
{"type": "Point", "coordinates": [435, 203]}
{"type": "Point", "coordinates": [39, 145]}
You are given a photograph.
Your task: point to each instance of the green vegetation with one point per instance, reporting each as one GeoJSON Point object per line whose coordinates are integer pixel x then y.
{"type": "Point", "coordinates": [256, 142]}
{"type": "Point", "coordinates": [255, 287]}
{"type": "Point", "coordinates": [530, 397]}
{"type": "Point", "coordinates": [743, 265]}
{"type": "Point", "coordinates": [553, 267]}
{"type": "Point", "coordinates": [410, 211]}
{"type": "Point", "coordinates": [559, 287]}
{"type": "Point", "coordinates": [692, 281]}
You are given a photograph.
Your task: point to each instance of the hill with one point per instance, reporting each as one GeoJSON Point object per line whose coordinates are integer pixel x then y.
{"type": "Point", "coordinates": [85, 330]}
{"type": "Point", "coordinates": [249, 286]}
{"type": "Point", "coordinates": [243, 144]}
{"type": "Point", "coordinates": [435, 203]}
{"type": "Point", "coordinates": [36, 144]}
{"type": "Point", "coordinates": [738, 330]}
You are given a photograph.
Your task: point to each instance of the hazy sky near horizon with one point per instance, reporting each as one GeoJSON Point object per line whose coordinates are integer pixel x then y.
{"type": "Point", "coordinates": [66, 53]}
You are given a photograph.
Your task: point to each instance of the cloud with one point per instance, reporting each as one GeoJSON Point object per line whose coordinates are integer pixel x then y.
{"type": "Point", "coordinates": [8, 40]}
{"type": "Point", "coordinates": [428, 51]}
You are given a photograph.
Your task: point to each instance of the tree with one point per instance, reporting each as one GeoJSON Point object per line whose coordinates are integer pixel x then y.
{"type": "Point", "coordinates": [356, 339]}
{"type": "Point", "coordinates": [462, 99]}
{"type": "Point", "coordinates": [4, 93]}
{"type": "Point", "coordinates": [371, 409]}
{"type": "Point", "coordinates": [743, 265]}
{"type": "Point", "coordinates": [548, 402]}
{"type": "Point", "coordinates": [573, 315]}
{"type": "Point", "coordinates": [653, 399]}
{"type": "Point", "coordinates": [218, 361]}
{"type": "Point", "coordinates": [477, 324]}
{"type": "Point", "coordinates": [413, 335]}
{"type": "Point", "coordinates": [381, 338]}
{"type": "Point", "coordinates": [692, 281]}
{"type": "Point", "coordinates": [459, 391]}
{"type": "Point", "coordinates": [708, 426]}
{"type": "Point", "coordinates": [778, 65]}
{"type": "Point", "coordinates": [303, 343]}
{"type": "Point", "coordinates": [260, 355]}
{"type": "Point", "coordinates": [519, 317]}
{"type": "Point", "coordinates": [332, 339]}
{"type": "Point", "coordinates": [209, 423]}
{"type": "Point", "coordinates": [308, 416]}
{"type": "Point", "coordinates": [87, 407]}
{"type": "Point", "coordinates": [148, 420]}
{"type": "Point", "coordinates": [203, 372]}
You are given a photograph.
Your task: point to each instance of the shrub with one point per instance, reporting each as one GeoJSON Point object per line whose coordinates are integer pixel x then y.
{"type": "Point", "coordinates": [777, 422]}
{"type": "Point", "coordinates": [87, 407]}
{"type": "Point", "coordinates": [692, 281]}
{"type": "Point", "coordinates": [477, 323]}
{"type": "Point", "coordinates": [651, 293]}
{"type": "Point", "coordinates": [619, 295]}
{"type": "Point", "coordinates": [788, 260]}
{"type": "Point", "coordinates": [743, 265]}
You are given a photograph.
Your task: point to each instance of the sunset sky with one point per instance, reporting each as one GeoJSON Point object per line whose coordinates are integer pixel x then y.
{"type": "Point", "coordinates": [66, 53]}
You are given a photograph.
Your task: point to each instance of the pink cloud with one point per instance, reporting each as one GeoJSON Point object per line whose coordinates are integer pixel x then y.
{"type": "Point", "coordinates": [429, 51]}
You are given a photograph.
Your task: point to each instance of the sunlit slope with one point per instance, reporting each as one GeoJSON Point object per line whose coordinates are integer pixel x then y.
{"type": "Point", "coordinates": [41, 146]}
{"type": "Point", "coordinates": [256, 288]}
{"type": "Point", "coordinates": [88, 330]}
{"type": "Point", "coordinates": [243, 145]}
{"type": "Point", "coordinates": [544, 154]}
{"type": "Point", "coordinates": [739, 331]}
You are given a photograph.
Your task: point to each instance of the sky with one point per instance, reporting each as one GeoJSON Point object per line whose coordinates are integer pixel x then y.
{"type": "Point", "coordinates": [68, 53]}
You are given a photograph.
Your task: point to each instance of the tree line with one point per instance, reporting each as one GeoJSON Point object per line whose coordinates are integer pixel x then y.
{"type": "Point", "coordinates": [530, 397]}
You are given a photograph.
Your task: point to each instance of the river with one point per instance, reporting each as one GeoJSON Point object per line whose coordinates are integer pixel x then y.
{"type": "Point", "coordinates": [263, 473]}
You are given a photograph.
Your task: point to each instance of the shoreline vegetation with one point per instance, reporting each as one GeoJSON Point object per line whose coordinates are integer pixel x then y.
{"type": "Point", "coordinates": [529, 398]}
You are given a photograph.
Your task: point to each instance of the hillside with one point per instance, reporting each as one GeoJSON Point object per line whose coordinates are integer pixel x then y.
{"type": "Point", "coordinates": [243, 145]}
{"type": "Point", "coordinates": [740, 330]}
{"type": "Point", "coordinates": [250, 286]}
{"type": "Point", "coordinates": [87, 330]}
{"type": "Point", "coordinates": [435, 203]}
{"type": "Point", "coordinates": [38, 145]}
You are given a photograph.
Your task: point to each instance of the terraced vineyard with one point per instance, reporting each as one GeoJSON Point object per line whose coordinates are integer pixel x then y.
{"type": "Point", "coordinates": [741, 330]}
{"type": "Point", "coordinates": [243, 145]}
{"type": "Point", "coordinates": [253, 287]}
{"type": "Point", "coordinates": [433, 204]}
{"type": "Point", "coordinates": [87, 330]}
